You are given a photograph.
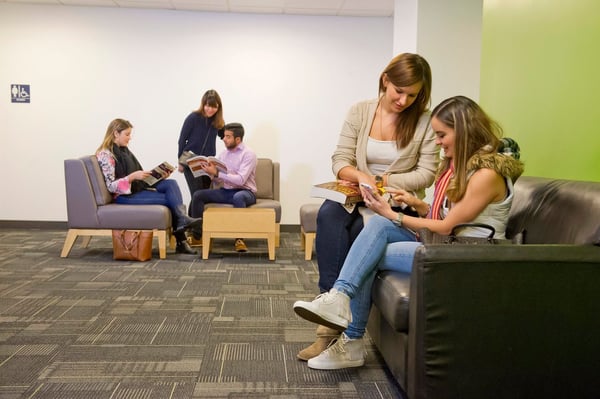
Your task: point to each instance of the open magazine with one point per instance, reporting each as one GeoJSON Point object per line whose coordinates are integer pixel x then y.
{"type": "Point", "coordinates": [158, 173]}
{"type": "Point", "coordinates": [344, 192]}
{"type": "Point", "coordinates": [197, 162]}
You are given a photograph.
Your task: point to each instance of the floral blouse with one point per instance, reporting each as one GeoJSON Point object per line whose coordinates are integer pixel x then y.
{"type": "Point", "coordinates": [107, 165]}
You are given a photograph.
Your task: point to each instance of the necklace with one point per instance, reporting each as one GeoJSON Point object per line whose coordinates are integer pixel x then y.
{"type": "Point", "coordinates": [381, 136]}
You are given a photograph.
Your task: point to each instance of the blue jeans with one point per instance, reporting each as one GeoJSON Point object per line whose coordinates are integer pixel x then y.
{"type": "Point", "coordinates": [381, 245]}
{"type": "Point", "coordinates": [336, 231]}
{"type": "Point", "coordinates": [239, 198]}
{"type": "Point", "coordinates": [167, 193]}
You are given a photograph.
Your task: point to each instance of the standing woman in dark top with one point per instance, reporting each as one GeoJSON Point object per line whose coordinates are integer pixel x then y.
{"type": "Point", "coordinates": [199, 135]}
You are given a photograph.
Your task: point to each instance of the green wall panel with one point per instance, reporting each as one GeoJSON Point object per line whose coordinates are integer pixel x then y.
{"type": "Point", "coordinates": [540, 78]}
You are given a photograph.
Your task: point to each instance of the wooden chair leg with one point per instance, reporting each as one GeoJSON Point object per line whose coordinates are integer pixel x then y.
{"type": "Point", "coordinates": [308, 240]}
{"type": "Point", "coordinates": [162, 243]}
{"type": "Point", "coordinates": [277, 234]}
{"type": "Point", "coordinates": [69, 241]}
{"type": "Point", "coordinates": [85, 241]}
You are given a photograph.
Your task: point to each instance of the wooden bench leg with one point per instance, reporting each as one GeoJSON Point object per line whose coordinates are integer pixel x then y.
{"type": "Point", "coordinates": [271, 239]}
{"type": "Point", "coordinates": [205, 244]}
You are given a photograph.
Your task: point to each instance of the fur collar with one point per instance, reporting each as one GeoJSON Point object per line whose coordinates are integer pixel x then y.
{"type": "Point", "coordinates": [504, 165]}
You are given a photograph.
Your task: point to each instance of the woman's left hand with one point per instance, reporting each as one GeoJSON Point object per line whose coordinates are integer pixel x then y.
{"type": "Point", "coordinates": [376, 202]}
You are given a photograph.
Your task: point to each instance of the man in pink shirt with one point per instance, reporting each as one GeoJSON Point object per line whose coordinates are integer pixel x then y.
{"type": "Point", "coordinates": [236, 186]}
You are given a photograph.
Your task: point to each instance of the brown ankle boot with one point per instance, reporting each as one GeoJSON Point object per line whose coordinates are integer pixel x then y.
{"type": "Point", "coordinates": [324, 336]}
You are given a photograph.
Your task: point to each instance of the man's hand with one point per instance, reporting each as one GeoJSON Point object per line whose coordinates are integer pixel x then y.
{"type": "Point", "coordinates": [210, 168]}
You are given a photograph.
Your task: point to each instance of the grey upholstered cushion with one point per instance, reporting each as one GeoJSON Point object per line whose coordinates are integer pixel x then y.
{"type": "Point", "coordinates": [308, 217]}
{"type": "Point", "coordinates": [101, 193]}
{"type": "Point", "coordinates": [264, 179]}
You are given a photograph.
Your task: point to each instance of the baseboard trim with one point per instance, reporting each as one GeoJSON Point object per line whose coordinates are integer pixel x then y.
{"type": "Point", "coordinates": [32, 224]}
{"type": "Point", "coordinates": [53, 225]}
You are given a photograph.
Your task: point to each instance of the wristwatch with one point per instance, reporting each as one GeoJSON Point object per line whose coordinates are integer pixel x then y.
{"type": "Point", "coordinates": [379, 184]}
{"type": "Point", "coordinates": [398, 220]}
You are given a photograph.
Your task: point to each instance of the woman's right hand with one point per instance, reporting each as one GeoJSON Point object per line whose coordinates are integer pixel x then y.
{"type": "Point", "coordinates": [402, 196]}
{"type": "Point", "coordinates": [366, 179]}
{"type": "Point", "coordinates": [180, 168]}
{"type": "Point", "coordinates": [138, 175]}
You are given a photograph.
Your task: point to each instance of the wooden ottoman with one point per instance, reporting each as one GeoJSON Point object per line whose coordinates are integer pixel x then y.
{"type": "Point", "coordinates": [238, 223]}
{"type": "Point", "coordinates": [308, 227]}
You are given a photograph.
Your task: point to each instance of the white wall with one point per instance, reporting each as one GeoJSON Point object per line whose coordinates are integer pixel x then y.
{"type": "Point", "coordinates": [288, 79]}
{"type": "Point", "coordinates": [449, 37]}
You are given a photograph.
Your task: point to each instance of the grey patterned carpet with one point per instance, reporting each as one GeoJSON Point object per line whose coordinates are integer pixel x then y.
{"type": "Point", "coordinates": [90, 327]}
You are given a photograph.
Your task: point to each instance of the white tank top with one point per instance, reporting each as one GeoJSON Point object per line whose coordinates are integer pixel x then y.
{"type": "Point", "coordinates": [380, 155]}
{"type": "Point", "coordinates": [495, 214]}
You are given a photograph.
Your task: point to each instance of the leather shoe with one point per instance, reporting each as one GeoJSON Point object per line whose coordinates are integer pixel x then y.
{"type": "Point", "coordinates": [184, 248]}
{"type": "Point", "coordinates": [240, 245]}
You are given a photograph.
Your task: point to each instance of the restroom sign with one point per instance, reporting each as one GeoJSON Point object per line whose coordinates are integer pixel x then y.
{"type": "Point", "coordinates": [20, 93]}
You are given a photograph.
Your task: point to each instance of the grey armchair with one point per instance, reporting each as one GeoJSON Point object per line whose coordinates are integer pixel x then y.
{"type": "Point", "coordinates": [91, 212]}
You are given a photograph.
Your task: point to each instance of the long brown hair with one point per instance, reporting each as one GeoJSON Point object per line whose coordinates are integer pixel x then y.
{"type": "Point", "coordinates": [476, 133]}
{"type": "Point", "coordinates": [407, 69]}
{"type": "Point", "coordinates": [212, 99]}
{"type": "Point", "coordinates": [115, 125]}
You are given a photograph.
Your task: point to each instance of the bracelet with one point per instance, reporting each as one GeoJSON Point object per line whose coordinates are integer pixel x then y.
{"type": "Point", "coordinates": [398, 220]}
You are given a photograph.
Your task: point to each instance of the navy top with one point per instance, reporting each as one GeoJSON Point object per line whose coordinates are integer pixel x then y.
{"type": "Point", "coordinates": [198, 135]}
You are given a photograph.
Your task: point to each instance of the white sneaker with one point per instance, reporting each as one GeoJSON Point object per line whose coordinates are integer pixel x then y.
{"type": "Point", "coordinates": [341, 354]}
{"type": "Point", "coordinates": [331, 309]}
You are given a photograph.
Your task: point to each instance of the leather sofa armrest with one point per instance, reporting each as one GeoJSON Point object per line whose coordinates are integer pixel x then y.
{"type": "Point", "coordinates": [504, 319]}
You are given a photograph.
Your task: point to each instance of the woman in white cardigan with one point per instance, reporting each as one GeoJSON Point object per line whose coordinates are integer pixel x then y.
{"type": "Point", "coordinates": [387, 142]}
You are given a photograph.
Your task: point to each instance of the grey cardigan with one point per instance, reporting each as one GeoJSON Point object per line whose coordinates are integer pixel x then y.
{"type": "Point", "coordinates": [414, 168]}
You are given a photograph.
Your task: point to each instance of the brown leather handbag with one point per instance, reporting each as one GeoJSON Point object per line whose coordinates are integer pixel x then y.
{"type": "Point", "coordinates": [132, 245]}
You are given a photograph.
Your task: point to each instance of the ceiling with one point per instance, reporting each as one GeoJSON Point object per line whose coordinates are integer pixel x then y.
{"type": "Point", "coordinates": [356, 8]}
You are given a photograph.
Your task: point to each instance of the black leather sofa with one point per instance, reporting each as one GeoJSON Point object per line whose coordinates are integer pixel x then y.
{"type": "Point", "coordinates": [502, 321]}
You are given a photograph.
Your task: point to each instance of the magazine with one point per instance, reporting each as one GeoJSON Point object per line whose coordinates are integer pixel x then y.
{"type": "Point", "coordinates": [197, 162]}
{"type": "Point", "coordinates": [342, 191]}
{"type": "Point", "coordinates": [158, 173]}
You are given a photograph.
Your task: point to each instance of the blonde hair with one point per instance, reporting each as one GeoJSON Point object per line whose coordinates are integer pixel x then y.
{"type": "Point", "coordinates": [115, 125]}
{"type": "Point", "coordinates": [476, 133]}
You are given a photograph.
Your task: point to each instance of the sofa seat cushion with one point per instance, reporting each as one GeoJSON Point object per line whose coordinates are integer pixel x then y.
{"type": "Point", "coordinates": [390, 295]}
{"type": "Point", "coordinates": [138, 217]}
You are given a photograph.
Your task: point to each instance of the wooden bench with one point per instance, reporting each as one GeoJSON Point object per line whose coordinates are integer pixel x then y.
{"type": "Point", "coordinates": [239, 223]}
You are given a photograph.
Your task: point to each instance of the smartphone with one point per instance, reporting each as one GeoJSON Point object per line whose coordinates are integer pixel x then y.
{"type": "Point", "coordinates": [368, 188]}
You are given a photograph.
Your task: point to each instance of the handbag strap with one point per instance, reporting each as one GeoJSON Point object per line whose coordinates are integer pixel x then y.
{"type": "Point", "coordinates": [129, 246]}
{"type": "Point", "coordinates": [490, 237]}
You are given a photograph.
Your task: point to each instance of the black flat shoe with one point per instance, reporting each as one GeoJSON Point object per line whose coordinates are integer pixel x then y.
{"type": "Point", "coordinates": [184, 248]}
{"type": "Point", "coordinates": [188, 224]}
